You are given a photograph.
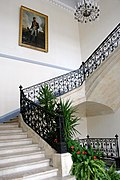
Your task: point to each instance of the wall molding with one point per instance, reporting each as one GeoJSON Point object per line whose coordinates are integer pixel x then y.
{"type": "Point", "coordinates": [9, 115]}
{"type": "Point", "coordinates": [62, 5]}
{"type": "Point", "coordinates": [15, 58]}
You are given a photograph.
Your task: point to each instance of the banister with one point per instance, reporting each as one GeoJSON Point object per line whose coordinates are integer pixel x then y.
{"type": "Point", "coordinates": [50, 129]}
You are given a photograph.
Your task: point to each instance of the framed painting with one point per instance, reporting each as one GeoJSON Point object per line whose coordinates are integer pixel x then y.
{"type": "Point", "coordinates": [33, 29]}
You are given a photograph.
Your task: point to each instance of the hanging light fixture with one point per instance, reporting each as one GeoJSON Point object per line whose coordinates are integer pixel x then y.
{"type": "Point", "coordinates": [86, 11]}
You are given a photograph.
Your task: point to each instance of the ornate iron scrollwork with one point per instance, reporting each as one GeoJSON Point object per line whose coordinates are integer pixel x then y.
{"type": "Point", "coordinates": [48, 127]}
{"type": "Point", "coordinates": [109, 146]}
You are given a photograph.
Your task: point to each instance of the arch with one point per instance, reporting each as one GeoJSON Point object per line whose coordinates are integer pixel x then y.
{"type": "Point", "coordinates": [90, 108]}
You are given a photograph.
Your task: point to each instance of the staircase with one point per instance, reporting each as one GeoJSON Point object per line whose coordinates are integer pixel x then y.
{"type": "Point", "coordinates": [21, 159]}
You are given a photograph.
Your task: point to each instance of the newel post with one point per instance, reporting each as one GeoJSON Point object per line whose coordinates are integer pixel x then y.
{"type": "Point", "coordinates": [117, 146]}
{"type": "Point", "coordinates": [84, 74]}
{"type": "Point", "coordinates": [62, 159]}
{"type": "Point", "coordinates": [88, 141]}
{"type": "Point", "coordinates": [61, 144]}
{"type": "Point", "coordinates": [21, 91]}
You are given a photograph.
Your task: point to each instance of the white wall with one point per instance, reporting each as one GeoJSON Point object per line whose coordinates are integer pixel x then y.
{"type": "Point", "coordinates": [82, 128]}
{"type": "Point", "coordinates": [13, 74]}
{"type": "Point", "coordinates": [62, 32]}
{"type": "Point", "coordinates": [92, 34]}
{"type": "Point", "coordinates": [104, 126]}
{"type": "Point", "coordinates": [63, 52]}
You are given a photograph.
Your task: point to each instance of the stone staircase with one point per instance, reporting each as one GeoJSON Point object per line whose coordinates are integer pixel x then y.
{"type": "Point", "coordinates": [21, 159]}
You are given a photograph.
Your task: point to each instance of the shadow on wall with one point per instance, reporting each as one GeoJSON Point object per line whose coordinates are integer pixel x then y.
{"type": "Point", "coordinates": [89, 108]}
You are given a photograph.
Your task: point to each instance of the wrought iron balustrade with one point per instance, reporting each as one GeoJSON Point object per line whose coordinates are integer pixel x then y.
{"type": "Point", "coordinates": [109, 146]}
{"type": "Point", "coordinates": [103, 51]}
{"type": "Point", "coordinates": [49, 127]}
{"type": "Point", "coordinates": [74, 79]}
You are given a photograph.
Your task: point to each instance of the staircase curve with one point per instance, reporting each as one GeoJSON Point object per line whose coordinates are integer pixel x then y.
{"type": "Point", "coordinates": [101, 89]}
{"type": "Point", "coordinates": [86, 86]}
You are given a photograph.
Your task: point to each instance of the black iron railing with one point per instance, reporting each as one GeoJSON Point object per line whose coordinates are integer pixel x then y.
{"type": "Point", "coordinates": [49, 127]}
{"type": "Point", "coordinates": [109, 146]}
{"type": "Point", "coordinates": [74, 79]}
{"type": "Point", "coordinates": [35, 116]}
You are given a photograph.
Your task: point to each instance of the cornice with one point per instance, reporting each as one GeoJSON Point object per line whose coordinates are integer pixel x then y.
{"type": "Point", "coordinates": [62, 5]}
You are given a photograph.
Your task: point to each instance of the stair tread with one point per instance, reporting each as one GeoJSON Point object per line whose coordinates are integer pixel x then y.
{"type": "Point", "coordinates": [21, 154]}
{"type": "Point", "coordinates": [13, 133]}
{"type": "Point", "coordinates": [13, 136]}
{"type": "Point", "coordinates": [11, 130]}
{"type": "Point", "coordinates": [15, 140]}
{"type": "Point", "coordinates": [10, 127]}
{"type": "Point", "coordinates": [15, 120]}
{"type": "Point", "coordinates": [61, 178]}
{"type": "Point", "coordinates": [20, 146]}
{"type": "Point", "coordinates": [36, 171]}
{"type": "Point", "coordinates": [12, 122]}
{"type": "Point", "coordinates": [9, 124]}
{"type": "Point", "coordinates": [22, 163]}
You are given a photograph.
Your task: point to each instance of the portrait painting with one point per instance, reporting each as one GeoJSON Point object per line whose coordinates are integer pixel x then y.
{"type": "Point", "coordinates": [33, 29]}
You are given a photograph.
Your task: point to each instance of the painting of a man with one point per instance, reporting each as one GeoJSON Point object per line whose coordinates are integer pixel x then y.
{"type": "Point", "coordinates": [33, 29]}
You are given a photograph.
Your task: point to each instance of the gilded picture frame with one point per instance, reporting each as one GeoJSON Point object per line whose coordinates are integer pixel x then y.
{"type": "Point", "coordinates": [33, 29]}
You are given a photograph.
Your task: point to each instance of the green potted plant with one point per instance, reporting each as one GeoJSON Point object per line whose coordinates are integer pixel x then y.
{"type": "Point", "coordinates": [70, 120]}
{"type": "Point", "coordinates": [49, 102]}
{"type": "Point", "coordinates": [46, 99]}
{"type": "Point", "coordinates": [112, 174]}
{"type": "Point", "coordinates": [86, 162]}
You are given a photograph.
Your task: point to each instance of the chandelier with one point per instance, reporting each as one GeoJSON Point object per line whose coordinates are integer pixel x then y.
{"type": "Point", "coordinates": [86, 11]}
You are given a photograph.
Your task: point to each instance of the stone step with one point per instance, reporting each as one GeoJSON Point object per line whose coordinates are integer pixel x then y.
{"type": "Point", "coordinates": [13, 135]}
{"type": "Point", "coordinates": [18, 149]}
{"type": "Point", "coordinates": [21, 153]}
{"type": "Point", "coordinates": [15, 120]}
{"type": "Point", "coordinates": [61, 178]}
{"type": "Point", "coordinates": [35, 174]}
{"type": "Point", "coordinates": [12, 122]}
{"type": "Point", "coordinates": [21, 157]}
{"type": "Point", "coordinates": [6, 125]}
{"type": "Point", "coordinates": [11, 130]}
{"type": "Point", "coordinates": [9, 142]}
{"type": "Point", "coordinates": [23, 166]}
